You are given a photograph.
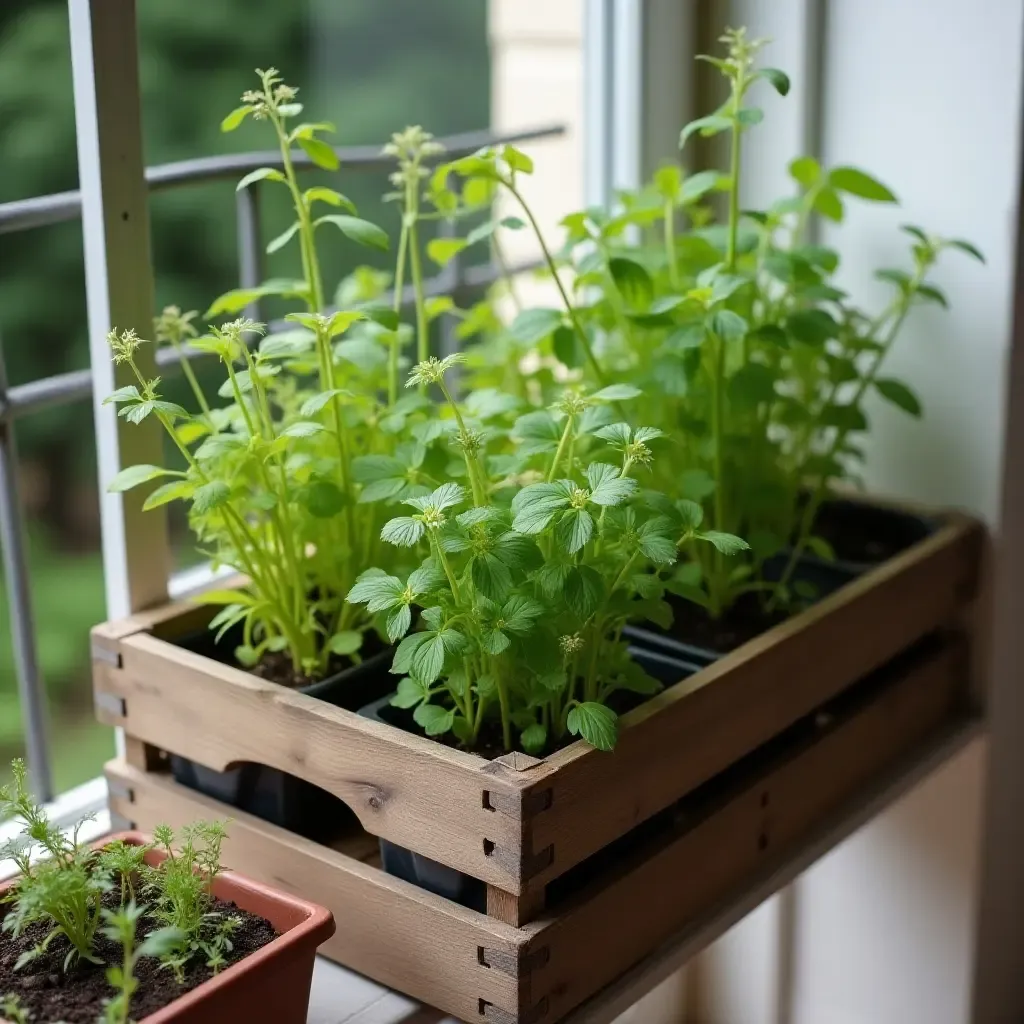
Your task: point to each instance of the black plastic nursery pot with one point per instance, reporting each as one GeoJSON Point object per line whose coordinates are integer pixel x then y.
{"type": "Point", "coordinates": [275, 796]}
{"type": "Point", "coordinates": [439, 878]}
{"type": "Point", "coordinates": [822, 577]}
{"type": "Point", "coordinates": [864, 535]}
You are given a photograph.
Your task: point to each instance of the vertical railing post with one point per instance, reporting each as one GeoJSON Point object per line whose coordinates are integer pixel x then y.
{"type": "Point", "coordinates": [31, 690]}
{"type": "Point", "coordinates": [119, 284]}
{"type": "Point", "coordinates": [250, 256]}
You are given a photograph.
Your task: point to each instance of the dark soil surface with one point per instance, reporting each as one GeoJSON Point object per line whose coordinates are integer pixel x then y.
{"type": "Point", "coordinates": [744, 620]}
{"type": "Point", "coordinates": [77, 997]}
{"type": "Point", "coordinates": [865, 534]}
{"type": "Point", "coordinates": [275, 666]}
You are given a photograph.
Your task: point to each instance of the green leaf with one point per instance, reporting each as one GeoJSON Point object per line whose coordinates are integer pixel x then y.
{"type": "Point", "coordinates": [532, 326]}
{"type": "Point", "coordinates": [433, 720]}
{"type": "Point", "coordinates": [574, 529]}
{"type": "Point", "coordinates": [536, 505]}
{"type": "Point", "coordinates": [366, 468]}
{"type": "Point", "coordinates": [812, 326]}
{"type": "Point", "coordinates": [235, 118]}
{"type": "Point", "coordinates": [828, 204]}
{"type": "Point", "coordinates": [348, 641]}
{"type": "Point", "coordinates": [323, 498]}
{"type": "Point", "coordinates": [282, 239]}
{"type": "Point", "coordinates": [210, 496]}
{"type": "Point", "coordinates": [607, 486]}
{"type": "Point", "coordinates": [778, 79]}
{"type": "Point", "coordinates": [967, 247]}
{"type": "Point", "coordinates": [688, 336]}
{"type": "Point", "coordinates": [132, 476]}
{"type": "Point", "coordinates": [899, 394]}
{"type": "Point", "coordinates": [597, 724]}
{"type": "Point", "coordinates": [750, 116]}
{"type": "Point", "coordinates": [494, 641]}
{"type": "Point", "coordinates": [845, 417]}
{"type": "Point", "coordinates": [713, 124]}
{"type": "Point", "coordinates": [727, 325]}
{"type": "Point", "coordinates": [491, 576]}
{"type": "Point", "coordinates": [805, 170]}
{"type": "Point", "coordinates": [633, 282]}
{"type": "Point", "coordinates": [727, 543]}
{"type": "Point", "coordinates": [428, 659]}
{"type": "Point", "coordinates": [533, 738]}
{"type": "Point", "coordinates": [617, 393]}
{"type": "Point", "coordinates": [517, 159]}
{"type": "Point", "coordinates": [667, 180]}
{"type": "Point", "coordinates": [403, 531]}
{"type": "Point", "coordinates": [260, 174]}
{"type": "Point", "coordinates": [237, 299]}
{"type": "Point", "coordinates": [398, 622]}
{"type": "Point", "coordinates": [655, 544]}
{"type": "Point", "coordinates": [582, 591]}
{"type": "Point", "coordinates": [302, 428]}
{"type": "Point", "coordinates": [698, 185]}
{"type": "Point", "coordinates": [932, 294]}
{"type": "Point", "coordinates": [328, 195]}
{"type": "Point", "coordinates": [691, 514]}
{"type": "Point", "coordinates": [316, 402]}
{"type": "Point", "coordinates": [857, 183]}
{"type": "Point", "coordinates": [358, 230]}
{"type": "Point", "coordinates": [410, 692]}
{"type": "Point", "coordinates": [443, 250]}
{"type": "Point", "coordinates": [319, 152]}
{"type": "Point", "coordinates": [376, 590]}
{"type": "Point", "coordinates": [176, 489]}
{"type": "Point", "coordinates": [566, 348]}
{"type": "Point", "coordinates": [161, 941]}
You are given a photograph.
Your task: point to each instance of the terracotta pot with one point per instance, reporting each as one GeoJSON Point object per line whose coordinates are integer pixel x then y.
{"type": "Point", "coordinates": [271, 984]}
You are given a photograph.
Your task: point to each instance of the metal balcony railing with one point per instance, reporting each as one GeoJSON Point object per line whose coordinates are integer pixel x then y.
{"type": "Point", "coordinates": [457, 280]}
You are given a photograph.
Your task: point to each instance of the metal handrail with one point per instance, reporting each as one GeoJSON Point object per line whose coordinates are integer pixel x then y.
{"type": "Point", "coordinates": [25, 214]}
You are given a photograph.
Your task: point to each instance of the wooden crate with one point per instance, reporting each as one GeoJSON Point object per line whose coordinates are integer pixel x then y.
{"type": "Point", "coordinates": [614, 909]}
{"type": "Point", "coordinates": [519, 822]}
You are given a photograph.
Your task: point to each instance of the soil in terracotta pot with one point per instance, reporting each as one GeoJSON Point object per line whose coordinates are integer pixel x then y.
{"type": "Point", "coordinates": [742, 622]}
{"type": "Point", "coordinates": [77, 996]}
{"type": "Point", "coordinates": [867, 535]}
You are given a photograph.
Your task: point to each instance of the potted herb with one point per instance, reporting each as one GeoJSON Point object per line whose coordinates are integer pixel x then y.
{"type": "Point", "coordinates": [152, 931]}
{"type": "Point", "coordinates": [748, 355]}
{"type": "Point", "coordinates": [285, 479]}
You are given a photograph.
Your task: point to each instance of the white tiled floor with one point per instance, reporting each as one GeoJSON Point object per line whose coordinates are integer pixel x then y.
{"type": "Point", "coordinates": [340, 996]}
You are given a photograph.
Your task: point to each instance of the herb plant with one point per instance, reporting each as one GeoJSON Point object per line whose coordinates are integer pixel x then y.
{"type": "Point", "coordinates": [13, 1010]}
{"type": "Point", "coordinates": [751, 359]}
{"type": "Point", "coordinates": [120, 926]}
{"type": "Point", "coordinates": [64, 890]}
{"type": "Point", "coordinates": [531, 567]}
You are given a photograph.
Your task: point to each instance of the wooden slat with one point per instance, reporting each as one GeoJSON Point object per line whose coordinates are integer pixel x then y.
{"type": "Point", "coordinates": [411, 790]}
{"type": "Point", "coordinates": [699, 727]}
{"type": "Point", "coordinates": [615, 924]}
{"type": "Point", "coordinates": [393, 932]}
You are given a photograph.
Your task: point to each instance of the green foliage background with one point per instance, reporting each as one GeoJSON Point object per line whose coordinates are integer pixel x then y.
{"type": "Point", "coordinates": [369, 66]}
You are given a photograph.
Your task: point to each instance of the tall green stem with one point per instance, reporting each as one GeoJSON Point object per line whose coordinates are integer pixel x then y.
{"type": "Point", "coordinates": [403, 245]}
{"type": "Point", "coordinates": [581, 335]}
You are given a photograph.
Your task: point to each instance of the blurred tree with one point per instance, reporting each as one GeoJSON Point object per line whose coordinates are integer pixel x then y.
{"type": "Point", "coordinates": [370, 66]}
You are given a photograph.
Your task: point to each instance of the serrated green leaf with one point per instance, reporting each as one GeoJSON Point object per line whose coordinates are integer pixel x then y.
{"type": "Point", "coordinates": [211, 496]}
{"type": "Point", "coordinates": [434, 721]}
{"type": "Point", "coordinates": [376, 590]}
{"type": "Point", "coordinates": [617, 393]}
{"type": "Point", "coordinates": [574, 529]}
{"type": "Point", "coordinates": [727, 543]}
{"type": "Point", "coordinates": [597, 724]}
{"type": "Point", "coordinates": [532, 326]}
{"type": "Point", "coordinates": [398, 622]}
{"type": "Point", "coordinates": [402, 531]}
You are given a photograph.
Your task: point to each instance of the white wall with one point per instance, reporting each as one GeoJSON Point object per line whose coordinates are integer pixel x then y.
{"type": "Point", "coordinates": [926, 95]}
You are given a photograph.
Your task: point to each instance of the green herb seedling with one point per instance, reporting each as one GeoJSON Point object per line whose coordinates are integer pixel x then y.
{"type": "Point", "coordinates": [120, 926]}
{"type": "Point", "coordinates": [12, 1009]}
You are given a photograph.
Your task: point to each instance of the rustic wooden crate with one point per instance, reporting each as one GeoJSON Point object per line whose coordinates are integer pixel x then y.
{"type": "Point", "coordinates": [519, 822]}
{"type": "Point", "coordinates": [478, 967]}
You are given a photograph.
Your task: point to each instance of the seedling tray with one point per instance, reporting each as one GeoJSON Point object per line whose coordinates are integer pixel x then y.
{"type": "Point", "coordinates": [519, 822]}
{"type": "Point", "coordinates": [615, 907]}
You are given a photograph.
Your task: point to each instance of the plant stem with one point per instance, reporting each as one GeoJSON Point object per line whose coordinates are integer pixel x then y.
{"type": "Point", "coordinates": [476, 483]}
{"type": "Point", "coordinates": [577, 327]}
{"type": "Point", "coordinates": [190, 376]}
{"type": "Point", "coordinates": [562, 445]}
{"type": "Point", "coordinates": [422, 328]}
{"type": "Point", "coordinates": [811, 508]}
{"type": "Point", "coordinates": [670, 245]}
{"type": "Point", "coordinates": [403, 245]}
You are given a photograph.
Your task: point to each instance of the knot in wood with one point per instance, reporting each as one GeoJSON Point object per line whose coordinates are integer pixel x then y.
{"type": "Point", "coordinates": [374, 796]}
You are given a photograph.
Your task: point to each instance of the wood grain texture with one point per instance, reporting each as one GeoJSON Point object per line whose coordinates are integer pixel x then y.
{"type": "Point", "coordinates": [391, 931]}
{"type": "Point", "coordinates": [617, 922]}
{"type": "Point", "coordinates": [697, 728]}
{"type": "Point", "coordinates": [519, 822]}
{"type": "Point", "coordinates": [405, 788]}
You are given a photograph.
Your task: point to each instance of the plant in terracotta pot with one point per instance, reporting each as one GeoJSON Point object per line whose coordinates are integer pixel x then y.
{"type": "Point", "coordinates": [156, 931]}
